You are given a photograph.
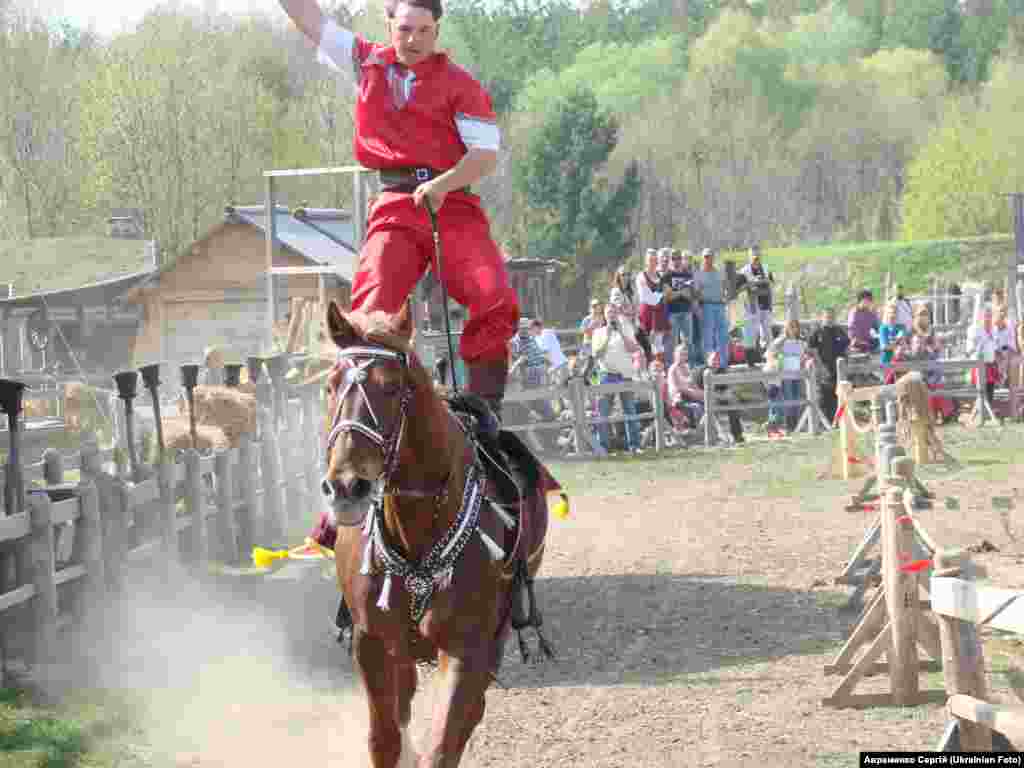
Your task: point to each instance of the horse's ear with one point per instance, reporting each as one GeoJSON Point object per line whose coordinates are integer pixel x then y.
{"type": "Point", "coordinates": [402, 324]}
{"type": "Point", "coordinates": [341, 331]}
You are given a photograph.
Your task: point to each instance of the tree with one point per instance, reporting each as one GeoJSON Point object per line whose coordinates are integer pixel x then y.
{"type": "Point", "coordinates": [39, 110]}
{"type": "Point", "coordinates": [954, 182]}
{"type": "Point", "coordinates": [576, 213]}
{"type": "Point", "coordinates": [184, 114]}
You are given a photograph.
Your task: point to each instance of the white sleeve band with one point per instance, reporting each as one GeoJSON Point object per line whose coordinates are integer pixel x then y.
{"type": "Point", "coordinates": [336, 46]}
{"type": "Point", "coordinates": [478, 134]}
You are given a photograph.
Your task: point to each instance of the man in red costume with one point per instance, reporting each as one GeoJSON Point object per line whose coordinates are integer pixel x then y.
{"type": "Point", "coordinates": [428, 127]}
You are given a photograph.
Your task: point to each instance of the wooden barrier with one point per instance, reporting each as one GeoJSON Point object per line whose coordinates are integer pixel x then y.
{"type": "Point", "coordinates": [893, 623]}
{"type": "Point", "coordinates": [163, 520]}
{"type": "Point", "coordinates": [962, 607]}
{"type": "Point", "coordinates": [577, 394]}
{"type": "Point", "coordinates": [810, 417]}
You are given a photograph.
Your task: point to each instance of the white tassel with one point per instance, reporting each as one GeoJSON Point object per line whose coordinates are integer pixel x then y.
{"type": "Point", "coordinates": [444, 579]}
{"type": "Point", "coordinates": [497, 553]}
{"type": "Point", "coordinates": [368, 525]}
{"type": "Point", "coordinates": [506, 519]}
{"type": "Point", "coordinates": [367, 557]}
{"type": "Point", "coordinates": [383, 602]}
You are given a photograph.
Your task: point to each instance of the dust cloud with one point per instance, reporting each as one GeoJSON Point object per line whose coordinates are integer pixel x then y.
{"type": "Point", "coordinates": [234, 671]}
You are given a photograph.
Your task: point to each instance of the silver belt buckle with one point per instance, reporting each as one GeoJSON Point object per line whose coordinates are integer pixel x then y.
{"type": "Point", "coordinates": [422, 174]}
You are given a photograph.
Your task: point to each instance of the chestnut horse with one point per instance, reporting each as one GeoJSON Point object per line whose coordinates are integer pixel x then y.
{"type": "Point", "coordinates": [434, 571]}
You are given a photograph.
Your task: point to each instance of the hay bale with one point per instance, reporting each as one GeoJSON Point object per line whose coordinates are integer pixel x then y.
{"type": "Point", "coordinates": [231, 410]}
{"type": "Point", "coordinates": [35, 409]}
{"type": "Point", "coordinates": [178, 437]}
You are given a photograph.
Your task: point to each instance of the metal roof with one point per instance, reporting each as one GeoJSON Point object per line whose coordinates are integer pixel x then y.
{"type": "Point", "coordinates": [333, 246]}
{"type": "Point", "coordinates": [104, 292]}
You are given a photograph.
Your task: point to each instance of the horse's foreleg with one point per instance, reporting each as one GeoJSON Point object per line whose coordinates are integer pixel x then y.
{"type": "Point", "coordinates": [405, 687]}
{"type": "Point", "coordinates": [377, 672]}
{"type": "Point", "coordinates": [458, 708]}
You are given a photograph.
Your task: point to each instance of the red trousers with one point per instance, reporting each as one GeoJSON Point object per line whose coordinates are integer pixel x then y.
{"type": "Point", "coordinates": [399, 247]}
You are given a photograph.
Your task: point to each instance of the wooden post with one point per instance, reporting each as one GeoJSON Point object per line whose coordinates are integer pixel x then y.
{"type": "Point", "coordinates": [274, 527]}
{"type": "Point", "coordinates": [109, 495]}
{"type": "Point", "coordinates": [814, 413]}
{"type": "Point", "coordinates": [311, 431]}
{"type": "Point", "coordinates": [963, 662]}
{"type": "Point", "coordinates": [126, 388]}
{"type": "Point", "coordinates": [168, 514]}
{"type": "Point", "coordinates": [227, 531]}
{"type": "Point", "coordinates": [579, 408]}
{"type": "Point", "coordinates": [194, 506]}
{"type": "Point", "coordinates": [982, 401]}
{"type": "Point", "coordinates": [709, 416]}
{"type": "Point", "coordinates": [94, 588]}
{"type": "Point", "coordinates": [900, 587]}
{"type": "Point", "coordinates": [247, 477]}
{"type": "Point", "coordinates": [44, 576]}
{"type": "Point", "coordinates": [151, 380]}
{"type": "Point", "coordinates": [659, 417]}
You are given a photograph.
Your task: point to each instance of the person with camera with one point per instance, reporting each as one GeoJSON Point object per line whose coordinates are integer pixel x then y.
{"type": "Point", "coordinates": [677, 287]}
{"type": "Point", "coordinates": [757, 326]}
{"type": "Point", "coordinates": [613, 346]}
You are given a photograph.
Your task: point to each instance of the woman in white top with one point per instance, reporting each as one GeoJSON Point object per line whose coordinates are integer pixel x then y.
{"type": "Point", "coordinates": [982, 345]}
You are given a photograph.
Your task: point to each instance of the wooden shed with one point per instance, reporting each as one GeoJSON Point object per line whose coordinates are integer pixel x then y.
{"type": "Point", "coordinates": [61, 304]}
{"type": "Point", "coordinates": [215, 292]}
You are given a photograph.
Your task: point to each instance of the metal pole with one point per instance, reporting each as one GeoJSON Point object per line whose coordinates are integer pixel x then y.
{"type": "Point", "coordinates": [271, 230]}
{"type": "Point", "coordinates": [1017, 257]}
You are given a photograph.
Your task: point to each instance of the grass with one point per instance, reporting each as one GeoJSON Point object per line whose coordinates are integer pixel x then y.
{"type": "Point", "coordinates": [91, 729]}
{"type": "Point", "coordinates": [986, 454]}
{"type": "Point", "coordinates": [833, 273]}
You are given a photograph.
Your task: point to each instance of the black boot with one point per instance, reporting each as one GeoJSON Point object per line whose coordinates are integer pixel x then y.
{"type": "Point", "coordinates": [487, 381]}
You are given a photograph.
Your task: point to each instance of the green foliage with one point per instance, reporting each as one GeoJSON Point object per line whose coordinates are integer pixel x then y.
{"type": "Point", "coordinates": [830, 36]}
{"type": "Point", "coordinates": [37, 739]}
{"type": "Point", "coordinates": [621, 75]}
{"type": "Point", "coordinates": [579, 215]}
{"type": "Point", "coordinates": [929, 25]}
{"type": "Point", "coordinates": [954, 182]}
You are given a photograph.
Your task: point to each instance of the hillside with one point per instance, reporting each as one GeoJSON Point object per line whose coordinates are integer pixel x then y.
{"type": "Point", "coordinates": [832, 274]}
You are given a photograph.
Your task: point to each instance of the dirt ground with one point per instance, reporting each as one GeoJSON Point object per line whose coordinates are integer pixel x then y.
{"type": "Point", "coordinates": [692, 616]}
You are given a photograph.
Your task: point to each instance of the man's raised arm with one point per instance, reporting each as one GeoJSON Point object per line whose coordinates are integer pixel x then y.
{"type": "Point", "coordinates": [307, 17]}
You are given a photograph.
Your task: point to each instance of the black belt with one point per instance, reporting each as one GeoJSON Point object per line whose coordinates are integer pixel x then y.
{"type": "Point", "coordinates": [407, 179]}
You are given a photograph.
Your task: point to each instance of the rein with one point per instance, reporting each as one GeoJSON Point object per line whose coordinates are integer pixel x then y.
{"type": "Point", "coordinates": [436, 569]}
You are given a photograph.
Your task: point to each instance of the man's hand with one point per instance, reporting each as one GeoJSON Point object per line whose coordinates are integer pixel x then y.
{"type": "Point", "coordinates": [430, 190]}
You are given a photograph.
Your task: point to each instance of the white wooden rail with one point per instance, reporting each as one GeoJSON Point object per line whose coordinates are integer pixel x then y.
{"type": "Point", "coordinates": [962, 606]}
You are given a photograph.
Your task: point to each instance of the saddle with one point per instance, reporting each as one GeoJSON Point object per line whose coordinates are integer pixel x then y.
{"type": "Point", "coordinates": [517, 483]}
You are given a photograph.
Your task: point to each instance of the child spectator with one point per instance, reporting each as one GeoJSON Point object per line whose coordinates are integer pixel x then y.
{"type": "Point", "coordinates": [685, 399]}
{"type": "Point", "coordinates": [828, 343]}
{"type": "Point", "coordinates": [890, 334]}
{"type": "Point", "coordinates": [863, 324]}
{"type": "Point", "coordinates": [792, 354]}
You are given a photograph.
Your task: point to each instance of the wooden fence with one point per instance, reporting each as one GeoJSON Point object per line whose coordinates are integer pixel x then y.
{"type": "Point", "coordinates": [962, 607]}
{"type": "Point", "coordinates": [63, 546]}
{"type": "Point", "coordinates": [810, 418]}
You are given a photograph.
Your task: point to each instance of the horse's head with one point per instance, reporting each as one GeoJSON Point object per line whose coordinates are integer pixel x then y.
{"type": "Point", "coordinates": [369, 391]}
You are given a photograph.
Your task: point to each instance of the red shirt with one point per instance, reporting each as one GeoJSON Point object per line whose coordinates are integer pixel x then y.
{"type": "Point", "coordinates": [425, 115]}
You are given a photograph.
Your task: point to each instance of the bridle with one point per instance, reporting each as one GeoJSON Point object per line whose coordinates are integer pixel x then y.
{"type": "Point", "coordinates": [360, 360]}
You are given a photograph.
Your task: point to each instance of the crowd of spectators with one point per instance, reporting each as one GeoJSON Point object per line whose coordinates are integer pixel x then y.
{"type": "Point", "coordinates": [668, 323]}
